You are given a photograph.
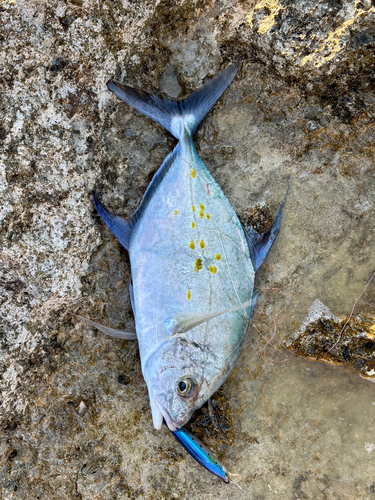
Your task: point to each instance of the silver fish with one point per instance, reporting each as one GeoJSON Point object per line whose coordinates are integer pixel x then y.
{"type": "Point", "coordinates": [192, 264]}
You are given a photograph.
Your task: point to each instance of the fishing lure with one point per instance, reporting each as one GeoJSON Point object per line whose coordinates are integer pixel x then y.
{"type": "Point", "coordinates": [201, 453]}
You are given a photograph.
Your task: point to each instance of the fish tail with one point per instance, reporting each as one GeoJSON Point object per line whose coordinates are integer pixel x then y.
{"type": "Point", "coordinates": [178, 116]}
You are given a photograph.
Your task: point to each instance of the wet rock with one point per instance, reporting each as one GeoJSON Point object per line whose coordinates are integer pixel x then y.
{"type": "Point", "coordinates": [58, 64]}
{"type": "Point", "coordinates": [259, 218]}
{"type": "Point", "coordinates": [169, 84]}
{"type": "Point", "coordinates": [339, 341]}
{"type": "Point", "coordinates": [213, 422]}
{"type": "Point", "coordinates": [123, 379]}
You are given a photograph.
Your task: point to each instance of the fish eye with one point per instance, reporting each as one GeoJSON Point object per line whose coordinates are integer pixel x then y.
{"type": "Point", "coordinates": [186, 387]}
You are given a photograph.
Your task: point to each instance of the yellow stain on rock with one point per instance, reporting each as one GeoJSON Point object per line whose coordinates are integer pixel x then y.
{"type": "Point", "coordinates": [192, 245]}
{"type": "Point", "coordinates": [333, 44]}
{"type": "Point", "coordinates": [177, 212]}
{"type": "Point", "coordinates": [189, 295]}
{"type": "Point", "coordinates": [193, 174]}
{"type": "Point", "coordinates": [273, 8]}
{"type": "Point", "coordinates": [203, 244]}
{"type": "Point", "coordinates": [198, 265]}
{"type": "Point", "coordinates": [218, 257]}
{"type": "Point", "coordinates": [6, 4]}
{"type": "Point", "coordinates": [213, 269]}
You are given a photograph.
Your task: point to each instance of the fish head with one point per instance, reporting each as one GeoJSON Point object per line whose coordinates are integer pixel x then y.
{"type": "Point", "coordinates": [181, 375]}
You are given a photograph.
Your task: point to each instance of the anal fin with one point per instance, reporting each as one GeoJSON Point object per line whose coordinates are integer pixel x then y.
{"type": "Point", "coordinates": [260, 244]}
{"type": "Point", "coordinates": [131, 292]}
{"type": "Point", "coordinates": [122, 227]}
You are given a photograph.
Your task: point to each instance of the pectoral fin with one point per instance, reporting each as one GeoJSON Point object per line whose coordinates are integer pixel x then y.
{"type": "Point", "coordinates": [187, 321]}
{"type": "Point", "coordinates": [118, 334]}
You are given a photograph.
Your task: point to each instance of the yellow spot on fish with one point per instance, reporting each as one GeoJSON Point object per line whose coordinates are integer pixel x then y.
{"type": "Point", "coordinates": [193, 224]}
{"type": "Point", "coordinates": [218, 257]}
{"type": "Point", "coordinates": [201, 215]}
{"type": "Point", "coordinates": [192, 245]}
{"type": "Point", "coordinates": [213, 269]}
{"type": "Point", "coordinates": [203, 244]}
{"type": "Point", "coordinates": [189, 295]}
{"type": "Point", "coordinates": [208, 216]}
{"type": "Point", "coordinates": [198, 265]}
{"type": "Point", "coordinates": [193, 208]}
{"type": "Point", "coordinates": [193, 174]}
{"type": "Point", "coordinates": [177, 212]}
{"type": "Point", "coordinates": [202, 207]}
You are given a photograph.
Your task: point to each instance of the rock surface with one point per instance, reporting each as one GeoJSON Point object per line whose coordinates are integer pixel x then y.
{"type": "Point", "coordinates": [338, 341]}
{"type": "Point", "coordinates": [75, 420]}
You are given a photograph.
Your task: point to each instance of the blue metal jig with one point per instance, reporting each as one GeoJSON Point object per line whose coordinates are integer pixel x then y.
{"type": "Point", "coordinates": [201, 453]}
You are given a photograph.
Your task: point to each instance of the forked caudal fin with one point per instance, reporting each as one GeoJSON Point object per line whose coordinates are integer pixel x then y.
{"type": "Point", "coordinates": [176, 116]}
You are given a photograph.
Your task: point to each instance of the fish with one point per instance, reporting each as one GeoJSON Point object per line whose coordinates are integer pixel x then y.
{"type": "Point", "coordinates": [192, 263]}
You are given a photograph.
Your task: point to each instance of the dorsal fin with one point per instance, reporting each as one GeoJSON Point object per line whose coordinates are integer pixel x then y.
{"type": "Point", "coordinates": [122, 227]}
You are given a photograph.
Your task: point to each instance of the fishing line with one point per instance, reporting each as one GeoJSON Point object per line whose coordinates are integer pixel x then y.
{"type": "Point", "coordinates": [231, 278]}
{"type": "Point", "coordinates": [234, 482]}
{"type": "Point", "coordinates": [350, 316]}
{"type": "Point", "coordinates": [298, 292]}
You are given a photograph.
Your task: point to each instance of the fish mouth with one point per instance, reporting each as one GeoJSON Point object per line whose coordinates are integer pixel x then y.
{"type": "Point", "coordinates": [171, 424]}
{"type": "Point", "coordinates": [157, 416]}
